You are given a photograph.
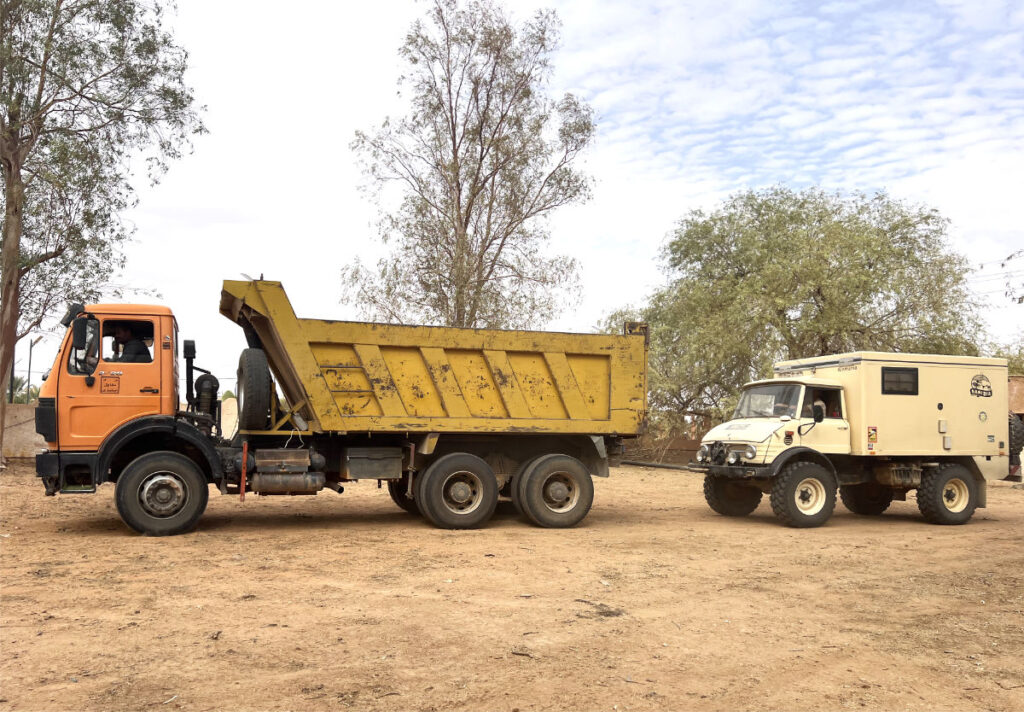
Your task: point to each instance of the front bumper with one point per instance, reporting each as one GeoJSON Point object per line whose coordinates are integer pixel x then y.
{"type": "Point", "coordinates": [748, 471]}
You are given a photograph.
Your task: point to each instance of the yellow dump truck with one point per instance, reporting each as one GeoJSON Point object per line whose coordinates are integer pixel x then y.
{"type": "Point", "coordinates": [450, 419]}
{"type": "Point", "coordinates": [872, 425]}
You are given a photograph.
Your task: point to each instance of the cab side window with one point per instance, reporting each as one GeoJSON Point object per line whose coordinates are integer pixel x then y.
{"type": "Point", "coordinates": [830, 398]}
{"type": "Point", "coordinates": [82, 362]}
{"type": "Point", "coordinates": [127, 341]}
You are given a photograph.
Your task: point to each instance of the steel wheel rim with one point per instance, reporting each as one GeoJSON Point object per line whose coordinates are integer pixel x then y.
{"type": "Point", "coordinates": [955, 495]}
{"type": "Point", "coordinates": [809, 496]}
{"type": "Point", "coordinates": [560, 492]}
{"type": "Point", "coordinates": [163, 494]}
{"type": "Point", "coordinates": [462, 492]}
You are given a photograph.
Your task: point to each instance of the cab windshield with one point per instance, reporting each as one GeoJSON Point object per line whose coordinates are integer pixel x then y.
{"type": "Point", "coordinates": [769, 401]}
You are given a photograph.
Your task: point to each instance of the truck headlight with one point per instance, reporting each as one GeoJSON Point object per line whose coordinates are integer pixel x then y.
{"type": "Point", "coordinates": [702, 453]}
{"type": "Point", "coordinates": [734, 457]}
{"type": "Point", "coordinates": [750, 452]}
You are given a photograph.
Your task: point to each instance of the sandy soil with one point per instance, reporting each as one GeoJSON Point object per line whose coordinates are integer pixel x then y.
{"type": "Point", "coordinates": [655, 603]}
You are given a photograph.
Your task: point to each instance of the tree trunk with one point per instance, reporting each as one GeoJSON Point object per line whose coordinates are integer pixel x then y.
{"type": "Point", "coordinates": [14, 201]}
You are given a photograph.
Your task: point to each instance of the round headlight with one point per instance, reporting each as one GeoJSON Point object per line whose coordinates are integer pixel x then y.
{"type": "Point", "coordinates": [734, 457]}
{"type": "Point", "coordinates": [702, 453]}
{"type": "Point", "coordinates": [750, 452]}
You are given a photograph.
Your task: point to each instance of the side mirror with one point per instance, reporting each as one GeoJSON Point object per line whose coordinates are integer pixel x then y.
{"type": "Point", "coordinates": [819, 414]}
{"type": "Point", "coordinates": [190, 348]}
{"type": "Point", "coordinates": [79, 333]}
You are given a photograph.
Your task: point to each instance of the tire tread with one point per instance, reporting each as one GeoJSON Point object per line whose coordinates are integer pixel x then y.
{"type": "Point", "coordinates": [779, 496]}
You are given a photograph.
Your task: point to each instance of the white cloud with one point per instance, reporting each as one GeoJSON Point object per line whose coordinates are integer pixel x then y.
{"type": "Point", "coordinates": [696, 99]}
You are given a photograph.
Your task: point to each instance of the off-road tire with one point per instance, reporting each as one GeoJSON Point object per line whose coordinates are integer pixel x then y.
{"type": "Point", "coordinates": [1016, 435]}
{"type": "Point", "coordinates": [811, 484]}
{"type": "Point", "coordinates": [869, 498]}
{"type": "Point", "coordinates": [948, 494]}
{"type": "Point", "coordinates": [253, 390]}
{"type": "Point", "coordinates": [729, 498]}
{"type": "Point", "coordinates": [397, 489]}
{"type": "Point", "coordinates": [437, 499]}
{"type": "Point", "coordinates": [147, 474]}
{"type": "Point", "coordinates": [557, 492]}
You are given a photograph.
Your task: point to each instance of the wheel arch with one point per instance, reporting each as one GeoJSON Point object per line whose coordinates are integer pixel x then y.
{"type": "Point", "coordinates": [151, 434]}
{"type": "Point", "coordinates": [801, 454]}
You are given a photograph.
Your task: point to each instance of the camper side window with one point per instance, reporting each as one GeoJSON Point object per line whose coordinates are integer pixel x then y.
{"type": "Point", "coordinates": [899, 381]}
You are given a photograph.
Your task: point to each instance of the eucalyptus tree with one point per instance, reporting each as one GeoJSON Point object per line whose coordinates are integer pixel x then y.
{"type": "Point", "coordinates": [483, 157]}
{"type": "Point", "coordinates": [86, 86]}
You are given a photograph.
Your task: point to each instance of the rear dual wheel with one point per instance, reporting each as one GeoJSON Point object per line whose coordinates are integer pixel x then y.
{"type": "Point", "coordinates": [554, 491]}
{"type": "Point", "coordinates": [457, 491]}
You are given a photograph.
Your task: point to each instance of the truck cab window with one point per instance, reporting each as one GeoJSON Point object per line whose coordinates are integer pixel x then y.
{"type": "Point", "coordinates": [82, 362]}
{"type": "Point", "coordinates": [826, 397]}
{"type": "Point", "coordinates": [769, 400]}
{"type": "Point", "coordinates": [127, 341]}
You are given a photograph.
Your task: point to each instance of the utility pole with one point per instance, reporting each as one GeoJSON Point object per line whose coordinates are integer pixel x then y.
{"type": "Point", "coordinates": [28, 376]}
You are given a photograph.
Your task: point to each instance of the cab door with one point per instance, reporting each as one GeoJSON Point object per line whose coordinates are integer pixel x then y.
{"type": "Point", "coordinates": [832, 435]}
{"type": "Point", "coordinates": [115, 383]}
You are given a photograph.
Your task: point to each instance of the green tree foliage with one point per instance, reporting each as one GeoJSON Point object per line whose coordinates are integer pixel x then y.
{"type": "Point", "coordinates": [20, 393]}
{"type": "Point", "coordinates": [481, 160]}
{"type": "Point", "coordinates": [778, 274]}
{"type": "Point", "coordinates": [1014, 355]}
{"type": "Point", "coordinates": [85, 86]}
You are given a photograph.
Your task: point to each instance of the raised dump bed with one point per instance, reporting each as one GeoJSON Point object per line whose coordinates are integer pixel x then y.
{"type": "Point", "coordinates": [362, 377]}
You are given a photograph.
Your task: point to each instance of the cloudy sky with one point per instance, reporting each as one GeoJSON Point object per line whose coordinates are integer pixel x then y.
{"type": "Point", "coordinates": [695, 100]}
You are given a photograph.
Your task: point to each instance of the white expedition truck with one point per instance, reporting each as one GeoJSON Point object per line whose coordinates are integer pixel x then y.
{"type": "Point", "coordinates": [872, 425]}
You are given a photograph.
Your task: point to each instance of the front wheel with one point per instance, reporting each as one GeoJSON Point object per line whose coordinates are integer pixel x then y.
{"type": "Point", "coordinates": [804, 494]}
{"type": "Point", "coordinates": [161, 493]}
{"type": "Point", "coordinates": [729, 498]}
{"type": "Point", "coordinates": [948, 494]}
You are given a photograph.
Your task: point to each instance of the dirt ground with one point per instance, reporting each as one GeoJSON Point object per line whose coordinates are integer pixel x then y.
{"type": "Point", "coordinates": [654, 603]}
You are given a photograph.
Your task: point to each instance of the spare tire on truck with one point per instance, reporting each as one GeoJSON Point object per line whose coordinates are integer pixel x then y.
{"type": "Point", "coordinates": [1016, 435]}
{"type": "Point", "coordinates": [253, 390]}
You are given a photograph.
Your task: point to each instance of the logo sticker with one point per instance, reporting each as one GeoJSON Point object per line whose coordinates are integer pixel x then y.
{"type": "Point", "coordinates": [981, 386]}
{"type": "Point", "coordinates": [110, 384]}
{"type": "Point", "coordinates": [872, 434]}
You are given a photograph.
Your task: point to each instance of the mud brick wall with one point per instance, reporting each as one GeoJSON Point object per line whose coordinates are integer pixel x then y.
{"type": "Point", "coordinates": [20, 437]}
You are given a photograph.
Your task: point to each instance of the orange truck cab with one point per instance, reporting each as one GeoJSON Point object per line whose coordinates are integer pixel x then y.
{"type": "Point", "coordinates": [449, 419]}
{"type": "Point", "coordinates": [112, 395]}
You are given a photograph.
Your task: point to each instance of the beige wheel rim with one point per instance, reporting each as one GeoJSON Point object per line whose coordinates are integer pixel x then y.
{"type": "Point", "coordinates": [955, 495]}
{"type": "Point", "coordinates": [809, 496]}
